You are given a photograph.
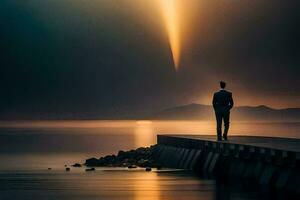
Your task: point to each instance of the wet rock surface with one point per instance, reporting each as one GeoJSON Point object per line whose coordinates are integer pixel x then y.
{"type": "Point", "coordinates": [141, 157]}
{"type": "Point", "coordinates": [76, 165]}
{"type": "Point", "coordinates": [90, 169]}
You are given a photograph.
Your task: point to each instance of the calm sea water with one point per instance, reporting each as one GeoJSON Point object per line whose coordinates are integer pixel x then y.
{"type": "Point", "coordinates": [27, 149]}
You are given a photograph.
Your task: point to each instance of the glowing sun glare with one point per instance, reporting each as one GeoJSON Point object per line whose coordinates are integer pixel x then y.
{"type": "Point", "coordinates": [170, 12]}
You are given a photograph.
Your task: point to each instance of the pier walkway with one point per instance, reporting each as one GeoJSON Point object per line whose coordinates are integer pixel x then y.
{"type": "Point", "coordinates": [275, 143]}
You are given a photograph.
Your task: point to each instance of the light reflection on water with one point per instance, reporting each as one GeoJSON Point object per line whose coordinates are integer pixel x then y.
{"type": "Point", "coordinates": [144, 133]}
{"type": "Point", "coordinates": [148, 188]}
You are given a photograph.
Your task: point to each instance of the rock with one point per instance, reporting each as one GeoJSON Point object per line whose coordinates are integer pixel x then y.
{"type": "Point", "coordinates": [92, 162]}
{"type": "Point", "coordinates": [143, 163]}
{"type": "Point", "coordinates": [90, 169]}
{"type": "Point", "coordinates": [101, 161]}
{"type": "Point", "coordinates": [132, 166]}
{"type": "Point", "coordinates": [110, 159]}
{"type": "Point", "coordinates": [68, 169]}
{"type": "Point", "coordinates": [148, 169]}
{"type": "Point", "coordinates": [122, 154]}
{"type": "Point", "coordinates": [142, 157]}
{"type": "Point", "coordinates": [76, 165]}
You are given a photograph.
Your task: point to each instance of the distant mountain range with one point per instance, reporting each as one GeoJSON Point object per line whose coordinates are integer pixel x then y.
{"type": "Point", "coordinates": [205, 112]}
{"type": "Point", "coordinates": [184, 112]}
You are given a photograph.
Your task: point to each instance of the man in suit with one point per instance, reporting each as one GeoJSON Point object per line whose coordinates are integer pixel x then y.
{"type": "Point", "coordinates": [222, 103]}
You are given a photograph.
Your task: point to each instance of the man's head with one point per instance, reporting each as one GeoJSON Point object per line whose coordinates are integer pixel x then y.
{"type": "Point", "coordinates": [222, 84]}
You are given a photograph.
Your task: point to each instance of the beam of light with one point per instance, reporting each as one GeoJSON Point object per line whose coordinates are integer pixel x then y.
{"type": "Point", "coordinates": [170, 13]}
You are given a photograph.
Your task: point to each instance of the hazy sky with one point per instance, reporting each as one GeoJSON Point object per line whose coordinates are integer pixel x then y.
{"type": "Point", "coordinates": [114, 56]}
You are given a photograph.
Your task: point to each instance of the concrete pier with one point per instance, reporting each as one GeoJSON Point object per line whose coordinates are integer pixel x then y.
{"type": "Point", "coordinates": [270, 162]}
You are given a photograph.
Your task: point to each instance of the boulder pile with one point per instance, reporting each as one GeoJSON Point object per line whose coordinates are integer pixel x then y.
{"type": "Point", "coordinates": [141, 157]}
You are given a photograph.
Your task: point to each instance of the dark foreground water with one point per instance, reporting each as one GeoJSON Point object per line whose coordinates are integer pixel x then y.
{"type": "Point", "coordinates": [112, 184]}
{"type": "Point", "coordinates": [28, 149]}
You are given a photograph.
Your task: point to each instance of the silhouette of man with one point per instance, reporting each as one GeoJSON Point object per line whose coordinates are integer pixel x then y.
{"type": "Point", "coordinates": [222, 103]}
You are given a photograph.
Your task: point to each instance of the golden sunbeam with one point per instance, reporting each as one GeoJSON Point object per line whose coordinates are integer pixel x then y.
{"type": "Point", "coordinates": [170, 13]}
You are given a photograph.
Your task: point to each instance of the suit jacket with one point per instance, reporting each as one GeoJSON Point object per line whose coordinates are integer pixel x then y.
{"type": "Point", "coordinates": [222, 101]}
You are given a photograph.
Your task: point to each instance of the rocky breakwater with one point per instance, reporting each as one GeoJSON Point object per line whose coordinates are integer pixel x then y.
{"type": "Point", "coordinates": [141, 157]}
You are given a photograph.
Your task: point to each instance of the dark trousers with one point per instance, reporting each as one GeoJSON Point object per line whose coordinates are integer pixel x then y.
{"type": "Point", "coordinates": [222, 116]}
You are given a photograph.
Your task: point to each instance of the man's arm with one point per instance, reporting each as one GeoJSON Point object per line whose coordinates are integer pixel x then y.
{"type": "Point", "coordinates": [214, 101]}
{"type": "Point", "coordinates": [231, 101]}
